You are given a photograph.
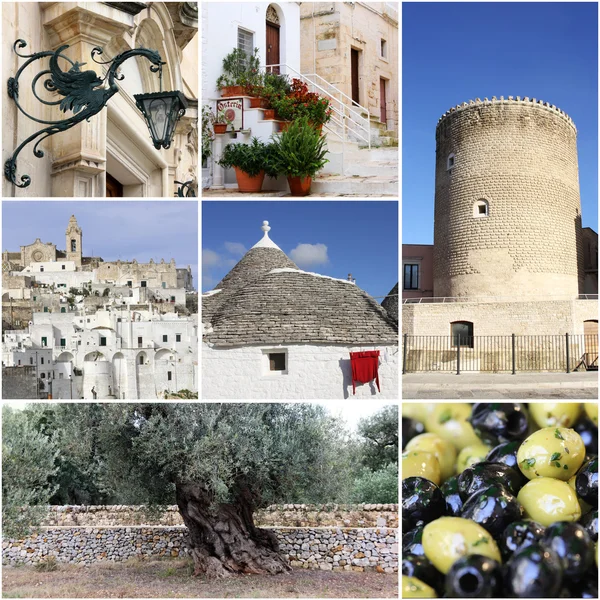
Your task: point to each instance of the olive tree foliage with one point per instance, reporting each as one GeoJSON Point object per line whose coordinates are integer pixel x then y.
{"type": "Point", "coordinates": [28, 464]}
{"type": "Point", "coordinates": [377, 480]}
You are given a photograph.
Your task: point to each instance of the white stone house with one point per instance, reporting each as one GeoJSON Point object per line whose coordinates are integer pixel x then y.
{"type": "Point", "coordinates": [273, 331]}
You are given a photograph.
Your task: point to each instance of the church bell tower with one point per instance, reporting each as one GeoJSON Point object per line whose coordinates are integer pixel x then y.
{"type": "Point", "coordinates": [73, 238]}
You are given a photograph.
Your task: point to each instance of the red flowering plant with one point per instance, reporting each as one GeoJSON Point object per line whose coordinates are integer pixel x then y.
{"type": "Point", "coordinates": [299, 102]}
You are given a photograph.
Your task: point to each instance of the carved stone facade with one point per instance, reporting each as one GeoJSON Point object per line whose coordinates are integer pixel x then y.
{"type": "Point", "coordinates": [111, 154]}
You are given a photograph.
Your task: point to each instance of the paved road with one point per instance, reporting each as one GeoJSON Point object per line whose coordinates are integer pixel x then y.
{"type": "Point", "coordinates": [522, 386]}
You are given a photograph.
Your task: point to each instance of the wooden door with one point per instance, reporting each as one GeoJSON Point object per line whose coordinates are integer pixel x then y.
{"type": "Point", "coordinates": [382, 101]}
{"type": "Point", "coordinates": [273, 46]}
{"type": "Point", "coordinates": [354, 75]}
{"type": "Point", "coordinates": [114, 188]}
{"type": "Point", "coordinates": [590, 331]}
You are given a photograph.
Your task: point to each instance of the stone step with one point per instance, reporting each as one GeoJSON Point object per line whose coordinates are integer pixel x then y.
{"type": "Point", "coordinates": [355, 186]}
{"type": "Point", "coordinates": [379, 168]}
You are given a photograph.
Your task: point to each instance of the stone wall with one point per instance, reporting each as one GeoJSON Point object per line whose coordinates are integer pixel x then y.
{"type": "Point", "coordinates": [520, 157]}
{"type": "Point", "coordinates": [337, 549]}
{"type": "Point", "coordinates": [19, 382]}
{"type": "Point", "coordinates": [315, 371]}
{"type": "Point", "coordinates": [283, 515]}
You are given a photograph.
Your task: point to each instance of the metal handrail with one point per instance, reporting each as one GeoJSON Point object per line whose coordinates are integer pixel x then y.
{"type": "Point", "coordinates": [525, 298]}
{"type": "Point", "coordinates": [347, 122]}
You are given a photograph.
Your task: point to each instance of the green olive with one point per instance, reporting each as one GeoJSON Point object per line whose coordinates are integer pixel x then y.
{"type": "Point", "coordinates": [449, 421]}
{"type": "Point", "coordinates": [419, 411]}
{"type": "Point", "coordinates": [470, 455]}
{"type": "Point", "coordinates": [547, 500]}
{"type": "Point", "coordinates": [591, 409]}
{"type": "Point", "coordinates": [552, 414]}
{"type": "Point", "coordinates": [551, 452]}
{"type": "Point", "coordinates": [444, 451]}
{"type": "Point", "coordinates": [446, 539]}
{"type": "Point", "coordinates": [583, 505]}
{"type": "Point", "coordinates": [421, 464]}
{"type": "Point", "coordinates": [415, 588]}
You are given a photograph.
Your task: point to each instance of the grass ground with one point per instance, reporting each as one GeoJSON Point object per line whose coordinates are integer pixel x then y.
{"type": "Point", "coordinates": [172, 578]}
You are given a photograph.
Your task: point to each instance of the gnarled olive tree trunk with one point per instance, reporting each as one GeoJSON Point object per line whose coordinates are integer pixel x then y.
{"type": "Point", "coordinates": [223, 539]}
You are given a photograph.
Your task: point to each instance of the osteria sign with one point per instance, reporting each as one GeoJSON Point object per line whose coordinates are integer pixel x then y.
{"type": "Point", "coordinates": [234, 111]}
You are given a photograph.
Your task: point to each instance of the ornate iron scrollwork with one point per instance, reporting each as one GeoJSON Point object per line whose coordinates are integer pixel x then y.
{"type": "Point", "coordinates": [181, 190]}
{"type": "Point", "coordinates": [84, 93]}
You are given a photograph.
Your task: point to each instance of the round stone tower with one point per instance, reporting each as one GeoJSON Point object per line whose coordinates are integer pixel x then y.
{"type": "Point", "coordinates": [507, 207]}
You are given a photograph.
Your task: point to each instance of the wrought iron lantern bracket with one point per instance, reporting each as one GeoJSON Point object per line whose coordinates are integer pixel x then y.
{"type": "Point", "coordinates": [83, 93]}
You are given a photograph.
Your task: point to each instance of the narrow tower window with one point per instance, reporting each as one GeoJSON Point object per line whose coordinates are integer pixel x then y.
{"type": "Point", "coordinates": [481, 208]}
{"type": "Point", "coordinates": [450, 162]}
{"type": "Point", "coordinates": [73, 246]}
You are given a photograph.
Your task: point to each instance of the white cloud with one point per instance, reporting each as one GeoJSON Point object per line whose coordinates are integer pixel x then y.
{"type": "Point", "coordinates": [235, 248]}
{"type": "Point", "coordinates": [210, 258]}
{"type": "Point", "coordinates": [306, 255]}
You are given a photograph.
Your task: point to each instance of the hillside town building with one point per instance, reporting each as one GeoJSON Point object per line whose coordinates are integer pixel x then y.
{"type": "Point", "coordinates": [274, 331]}
{"type": "Point", "coordinates": [79, 327]}
{"type": "Point", "coordinates": [508, 255]}
{"type": "Point", "coordinates": [346, 52]}
{"type": "Point", "coordinates": [112, 153]}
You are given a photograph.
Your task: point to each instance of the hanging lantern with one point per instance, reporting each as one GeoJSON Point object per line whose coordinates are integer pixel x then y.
{"type": "Point", "coordinates": [162, 110]}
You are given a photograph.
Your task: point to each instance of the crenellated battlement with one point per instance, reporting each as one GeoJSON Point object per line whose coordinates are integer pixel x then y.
{"type": "Point", "coordinates": [511, 100]}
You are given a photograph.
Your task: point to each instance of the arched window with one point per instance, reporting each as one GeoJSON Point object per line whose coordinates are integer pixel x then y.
{"type": "Point", "coordinates": [481, 208]}
{"type": "Point", "coordinates": [73, 246]}
{"type": "Point", "coordinates": [450, 162]}
{"type": "Point", "coordinates": [462, 331]}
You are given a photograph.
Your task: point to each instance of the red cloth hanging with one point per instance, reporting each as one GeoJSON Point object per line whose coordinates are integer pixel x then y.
{"type": "Point", "coordinates": [364, 368]}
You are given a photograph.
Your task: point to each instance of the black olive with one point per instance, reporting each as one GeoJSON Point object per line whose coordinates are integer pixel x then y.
{"type": "Point", "coordinates": [588, 431]}
{"type": "Point", "coordinates": [589, 522]}
{"type": "Point", "coordinates": [505, 453]}
{"type": "Point", "coordinates": [572, 544]}
{"type": "Point", "coordinates": [453, 500]}
{"type": "Point", "coordinates": [493, 508]}
{"type": "Point", "coordinates": [412, 542]}
{"type": "Point", "coordinates": [484, 474]}
{"type": "Point", "coordinates": [586, 483]}
{"type": "Point", "coordinates": [533, 572]}
{"type": "Point", "coordinates": [499, 422]}
{"type": "Point", "coordinates": [587, 587]}
{"type": "Point", "coordinates": [474, 576]}
{"type": "Point", "coordinates": [517, 535]}
{"type": "Point", "coordinates": [422, 501]}
{"type": "Point", "coordinates": [410, 429]}
{"type": "Point", "coordinates": [421, 568]}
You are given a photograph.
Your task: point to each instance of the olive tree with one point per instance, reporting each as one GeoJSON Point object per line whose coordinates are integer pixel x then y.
{"type": "Point", "coordinates": [219, 462]}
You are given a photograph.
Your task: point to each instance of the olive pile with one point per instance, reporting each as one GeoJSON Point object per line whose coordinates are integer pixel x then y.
{"type": "Point", "coordinates": [500, 500]}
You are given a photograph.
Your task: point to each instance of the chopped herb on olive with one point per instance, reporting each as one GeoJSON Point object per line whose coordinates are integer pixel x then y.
{"type": "Point", "coordinates": [483, 540]}
{"type": "Point", "coordinates": [565, 467]}
{"type": "Point", "coordinates": [445, 416]}
{"type": "Point", "coordinates": [567, 450]}
{"type": "Point", "coordinates": [555, 456]}
{"type": "Point", "coordinates": [557, 464]}
{"type": "Point", "coordinates": [528, 463]}
{"type": "Point", "coordinates": [557, 435]}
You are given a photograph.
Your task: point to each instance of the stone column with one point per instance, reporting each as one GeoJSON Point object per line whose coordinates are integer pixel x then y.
{"type": "Point", "coordinates": [79, 154]}
{"type": "Point", "coordinates": [218, 171]}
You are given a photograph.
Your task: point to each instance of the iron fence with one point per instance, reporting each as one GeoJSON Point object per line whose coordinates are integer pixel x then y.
{"type": "Point", "coordinates": [500, 353]}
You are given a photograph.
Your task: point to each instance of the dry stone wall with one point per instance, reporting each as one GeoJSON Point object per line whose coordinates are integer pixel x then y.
{"type": "Point", "coordinates": [519, 156]}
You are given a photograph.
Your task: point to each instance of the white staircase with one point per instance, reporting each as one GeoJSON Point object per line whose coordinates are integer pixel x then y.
{"type": "Point", "coordinates": [363, 155]}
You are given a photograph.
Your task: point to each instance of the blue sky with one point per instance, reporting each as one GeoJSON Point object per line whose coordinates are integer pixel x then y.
{"type": "Point", "coordinates": [454, 52]}
{"type": "Point", "coordinates": [337, 238]}
{"type": "Point", "coordinates": [112, 230]}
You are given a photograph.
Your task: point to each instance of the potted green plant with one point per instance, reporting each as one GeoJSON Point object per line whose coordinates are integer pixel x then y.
{"type": "Point", "coordinates": [207, 133]}
{"type": "Point", "coordinates": [250, 161]}
{"type": "Point", "coordinates": [240, 71]}
{"type": "Point", "coordinates": [299, 153]}
{"type": "Point", "coordinates": [221, 122]}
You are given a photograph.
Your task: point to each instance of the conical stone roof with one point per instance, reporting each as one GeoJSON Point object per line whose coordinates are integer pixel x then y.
{"type": "Point", "coordinates": [266, 299]}
{"type": "Point", "coordinates": [390, 303]}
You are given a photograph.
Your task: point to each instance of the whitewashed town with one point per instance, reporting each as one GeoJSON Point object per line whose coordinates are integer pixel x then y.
{"type": "Point", "coordinates": [77, 327]}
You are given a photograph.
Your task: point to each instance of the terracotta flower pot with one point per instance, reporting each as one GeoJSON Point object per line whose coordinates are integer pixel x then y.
{"type": "Point", "coordinates": [220, 127]}
{"type": "Point", "coordinates": [283, 125]}
{"type": "Point", "coordinates": [246, 183]}
{"type": "Point", "coordinates": [232, 90]}
{"type": "Point", "coordinates": [299, 186]}
{"type": "Point", "coordinates": [258, 103]}
{"type": "Point", "coordinates": [268, 114]}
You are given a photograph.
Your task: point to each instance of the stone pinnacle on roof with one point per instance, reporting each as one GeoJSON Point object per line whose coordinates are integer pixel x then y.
{"type": "Point", "coordinates": [266, 241]}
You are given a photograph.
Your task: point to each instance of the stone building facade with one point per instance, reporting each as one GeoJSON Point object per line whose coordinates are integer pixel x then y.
{"type": "Point", "coordinates": [354, 46]}
{"type": "Point", "coordinates": [111, 154]}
